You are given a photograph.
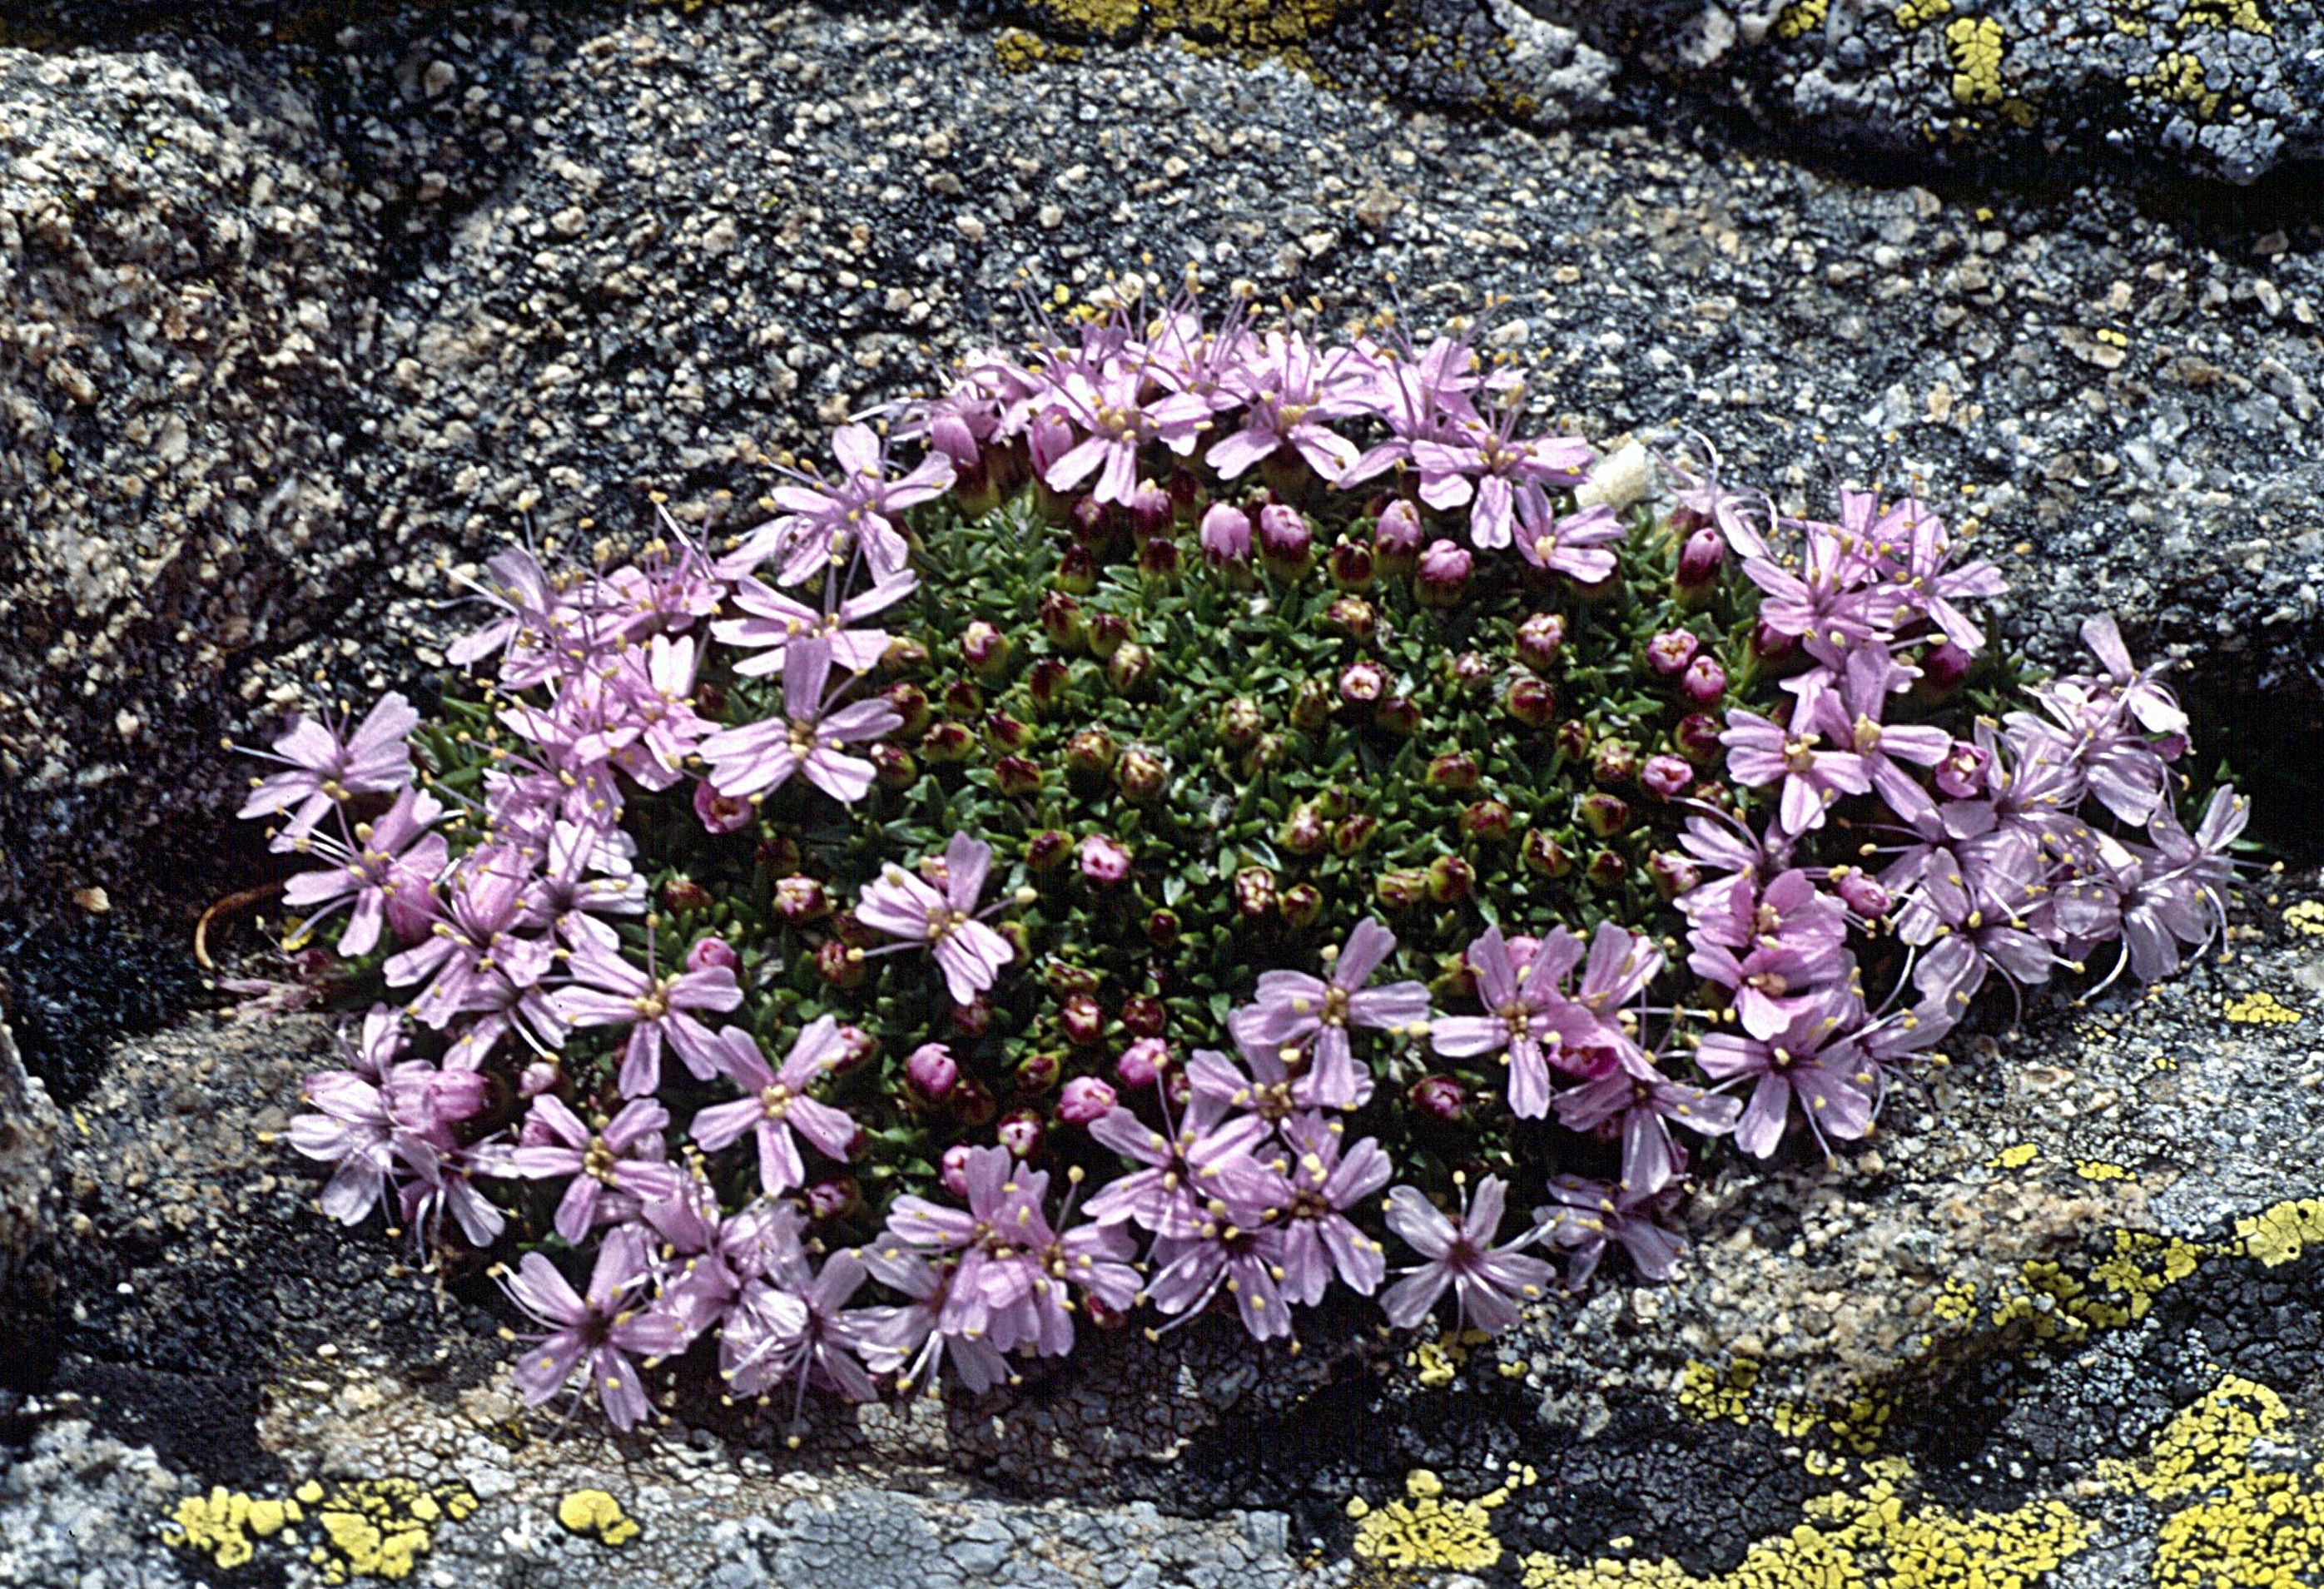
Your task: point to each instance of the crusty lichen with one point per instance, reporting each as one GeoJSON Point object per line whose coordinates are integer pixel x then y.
{"type": "Point", "coordinates": [372, 1529]}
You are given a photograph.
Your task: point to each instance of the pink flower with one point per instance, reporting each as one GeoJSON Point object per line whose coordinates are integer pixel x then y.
{"type": "Point", "coordinates": [761, 756]}
{"type": "Point", "coordinates": [608, 991]}
{"type": "Point", "coordinates": [1586, 1216]}
{"type": "Point", "coordinates": [1811, 1061]}
{"type": "Point", "coordinates": [1443, 571]}
{"type": "Point", "coordinates": [775, 622]}
{"type": "Point", "coordinates": [1084, 1099]}
{"type": "Point", "coordinates": [1319, 1240]}
{"type": "Point", "coordinates": [1529, 1019]}
{"type": "Point", "coordinates": [1110, 406]}
{"type": "Point", "coordinates": [1645, 1103]}
{"type": "Point", "coordinates": [476, 949]}
{"type": "Point", "coordinates": [1488, 1281]}
{"type": "Point", "coordinates": [1576, 546]}
{"type": "Point", "coordinates": [1484, 463]}
{"type": "Point", "coordinates": [325, 769]}
{"type": "Point", "coordinates": [1295, 1009]}
{"type": "Point", "coordinates": [1760, 752]}
{"type": "Point", "coordinates": [970, 953]}
{"type": "Point", "coordinates": [778, 1105]}
{"type": "Point", "coordinates": [603, 1330]}
{"type": "Point", "coordinates": [1289, 394]}
{"type": "Point", "coordinates": [932, 1071]}
{"type": "Point", "coordinates": [823, 517]}
{"type": "Point", "coordinates": [398, 1118]}
{"type": "Point", "coordinates": [388, 874]}
{"type": "Point", "coordinates": [1104, 860]}
{"type": "Point", "coordinates": [612, 1168]}
{"type": "Point", "coordinates": [912, 1341]}
{"type": "Point", "coordinates": [1225, 535]}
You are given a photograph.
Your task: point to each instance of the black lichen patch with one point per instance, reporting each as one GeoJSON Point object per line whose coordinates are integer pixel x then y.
{"type": "Point", "coordinates": [69, 990]}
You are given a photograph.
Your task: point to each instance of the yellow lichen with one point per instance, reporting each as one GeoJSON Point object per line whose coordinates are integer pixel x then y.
{"type": "Point", "coordinates": [2240, 16]}
{"type": "Point", "coordinates": [2205, 1445]}
{"type": "Point", "coordinates": [2260, 1008]}
{"type": "Point", "coordinates": [370, 1530]}
{"type": "Point", "coordinates": [1018, 50]}
{"type": "Point", "coordinates": [1914, 14]}
{"type": "Point", "coordinates": [2098, 1170]}
{"type": "Point", "coordinates": [2261, 1529]}
{"type": "Point", "coordinates": [1427, 1530]}
{"type": "Point", "coordinates": [1436, 1364]}
{"type": "Point", "coordinates": [2306, 918]}
{"type": "Point", "coordinates": [2014, 1158]}
{"type": "Point", "coordinates": [597, 1514]}
{"type": "Point", "coordinates": [1956, 1301]}
{"type": "Point", "coordinates": [1800, 17]}
{"type": "Point", "coordinates": [1975, 45]}
{"type": "Point", "coordinates": [1707, 1394]}
{"type": "Point", "coordinates": [2277, 1236]}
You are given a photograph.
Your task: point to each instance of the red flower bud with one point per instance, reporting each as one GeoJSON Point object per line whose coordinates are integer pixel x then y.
{"type": "Point", "coordinates": [1005, 732]}
{"type": "Point", "coordinates": [1311, 704]}
{"type": "Point", "coordinates": [1351, 565]}
{"type": "Point", "coordinates": [1108, 632]}
{"type": "Point", "coordinates": [1699, 562]}
{"type": "Point", "coordinates": [1360, 684]}
{"type": "Point", "coordinates": [683, 894]}
{"type": "Point", "coordinates": [1398, 715]}
{"type": "Point", "coordinates": [1063, 622]}
{"type": "Point", "coordinates": [985, 649]}
{"type": "Point", "coordinates": [1017, 776]}
{"type": "Point", "coordinates": [1352, 617]}
{"type": "Point", "coordinates": [1443, 573]}
{"type": "Point", "coordinates": [834, 1198]}
{"type": "Point", "coordinates": [1285, 542]}
{"type": "Point", "coordinates": [1150, 512]}
{"type": "Point", "coordinates": [778, 856]}
{"type": "Point", "coordinates": [1160, 560]}
{"type": "Point", "coordinates": [1396, 537]}
{"type": "Point", "coordinates": [893, 766]}
{"type": "Point", "coordinates": [1604, 815]}
{"type": "Point", "coordinates": [1454, 770]}
{"type": "Point", "coordinates": [1531, 701]}
{"type": "Point", "coordinates": [1090, 752]}
{"type": "Point", "coordinates": [973, 1019]}
{"type": "Point", "coordinates": [799, 899]}
{"type": "Point", "coordinates": [972, 1105]}
{"type": "Point", "coordinates": [1239, 723]}
{"type": "Point", "coordinates": [1489, 820]}
{"type": "Point", "coordinates": [1451, 878]}
{"type": "Point", "coordinates": [1704, 682]}
{"type": "Point", "coordinates": [1606, 869]}
{"type": "Point", "coordinates": [1613, 761]}
{"type": "Point", "coordinates": [1303, 831]}
{"type": "Point", "coordinates": [1472, 670]}
{"type": "Point", "coordinates": [1142, 776]}
{"type": "Point", "coordinates": [1697, 738]}
{"type": "Point", "coordinates": [1144, 1015]}
{"type": "Point", "coordinates": [1300, 905]}
{"type": "Point", "coordinates": [1351, 833]}
{"type": "Point", "coordinates": [947, 742]}
{"type": "Point", "coordinates": [1669, 652]}
{"type": "Point", "coordinates": [1020, 1132]}
{"type": "Point", "coordinates": [1048, 681]}
{"type": "Point", "coordinates": [1037, 1073]}
{"type": "Point", "coordinates": [1539, 640]}
{"type": "Point", "coordinates": [1573, 739]}
{"type": "Point", "coordinates": [932, 1069]}
{"type": "Point", "coordinates": [1141, 1062]}
{"type": "Point", "coordinates": [1047, 850]}
{"type": "Point", "coordinates": [1403, 888]}
{"type": "Point", "coordinates": [1163, 929]}
{"type": "Point", "coordinates": [1673, 874]}
{"type": "Point", "coordinates": [1254, 892]}
{"type": "Point", "coordinates": [1441, 1096]}
{"type": "Point", "coordinates": [903, 654]}
{"type": "Point", "coordinates": [1666, 777]}
{"type": "Point", "coordinates": [1076, 570]}
{"type": "Point", "coordinates": [1085, 1099]}
{"type": "Point", "coordinates": [1130, 669]}
{"type": "Point", "coordinates": [1542, 854]}
{"type": "Point", "coordinates": [837, 964]}
{"type": "Point", "coordinates": [963, 697]}
{"type": "Point", "coordinates": [909, 702]}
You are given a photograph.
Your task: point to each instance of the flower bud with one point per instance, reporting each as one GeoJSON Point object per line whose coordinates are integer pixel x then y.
{"type": "Point", "coordinates": [1048, 681]}
{"type": "Point", "coordinates": [1454, 770]}
{"type": "Point", "coordinates": [1141, 1062]}
{"type": "Point", "coordinates": [1402, 888]}
{"type": "Point", "coordinates": [710, 702]}
{"type": "Point", "coordinates": [1037, 1073]}
{"type": "Point", "coordinates": [1396, 537]}
{"type": "Point", "coordinates": [1066, 980]}
{"type": "Point", "coordinates": [1311, 704]}
{"type": "Point", "coordinates": [1443, 573]}
{"type": "Point", "coordinates": [1673, 874]}
{"type": "Point", "coordinates": [945, 743]}
{"type": "Point", "coordinates": [972, 1103]}
{"type": "Point", "coordinates": [1456, 981]}
{"type": "Point", "coordinates": [1398, 715]}
{"type": "Point", "coordinates": [1943, 666]}
{"type": "Point", "coordinates": [1360, 684]}
{"type": "Point", "coordinates": [932, 1069]}
{"type": "Point", "coordinates": [780, 855]}
{"type": "Point", "coordinates": [837, 964]}
{"type": "Point", "coordinates": [1020, 1132]}
{"type": "Point", "coordinates": [1076, 570]}
{"type": "Point", "coordinates": [852, 932]}
{"type": "Point", "coordinates": [834, 1198]}
{"type": "Point", "coordinates": [683, 894]}
{"type": "Point", "coordinates": [1141, 777]}
{"type": "Point", "coordinates": [963, 697]}
{"type": "Point", "coordinates": [1352, 832]}
{"type": "Point", "coordinates": [1265, 752]}
{"type": "Point", "coordinates": [1150, 512]}
{"type": "Point", "coordinates": [1047, 850]}
{"type": "Point", "coordinates": [1539, 640]}
{"type": "Point", "coordinates": [903, 654]}
{"type": "Point", "coordinates": [712, 953]}
{"type": "Point", "coordinates": [1573, 739]}
{"type": "Point", "coordinates": [1005, 732]}
{"type": "Point", "coordinates": [1451, 878]}
{"type": "Point", "coordinates": [1093, 525]}
{"type": "Point", "coordinates": [800, 898]}
{"type": "Point", "coordinates": [1239, 723]}
{"type": "Point", "coordinates": [1489, 820]}
{"type": "Point", "coordinates": [1613, 761]}
{"type": "Point", "coordinates": [856, 1046]}
{"type": "Point", "coordinates": [1441, 1096]}
{"type": "Point", "coordinates": [1351, 565]}
{"type": "Point", "coordinates": [952, 1170]}
{"type": "Point", "coordinates": [1108, 632]}
{"type": "Point", "coordinates": [1300, 905]}
{"type": "Point", "coordinates": [1542, 854]}
{"type": "Point", "coordinates": [909, 702]}
{"type": "Point", "coordinates": [1163, 928]}
{"type": "Point", "coordinates": [1130, 669]}
{"type": "Point", "coordinates": [985, 650]}
{"type": "Point", "coordinates": [1090, 752]}
{"type": "Point", "coordinates": [1160, 561]}
{"type": "Point", "coordinates": [1017, 776]}
{"type": "Point", "coordinates": [1084, 1099]}
{"type": "Point", "coordinates": [1697, 738]}
{"type": "Point", "coordinates": [720, 813]}
{"type": "Point", "coordinates": [893, 766]}
{"type": "Point", "coordinates": [1472, 670]}
{"type": "Point", "coordinates": [973, 1019]}
{"type": "Point", "coordinates": [1186, 494]}
{"type": "Point", "coordinates": [1704, 682]}
{"type": "Point", "coordinates": [1225, 536]}
{"type": "Point", "coordinates": [1104, 860]}
{"type": "Point", "coordinates": [1604, 815]}
{"type": "Point", "coordinates": [1082, 1019]}
{"type": "Point", "coordinates": [538, 1078]}
{"type": "Point", "coordinates": [1144, 1015]}
{"type": "Point", "coordinates": [1861, 893]}
{"type": "Point", "coordinates": [1303, 831]}
{"type": "Point", "coordinates": [1254, 892]}
{"type": "Point", "coordinates": [1771, 646]}
{"type": "Point", "coordinates": [1698, 562]}
{"type": "Point", "coordinates": [1285, 542]}
{"type": "Point", "coordinates": [1963, 771]}
{"type": "Point", "coordinates": [1351, 616]}
{"type": "Point", "coordinates": [1064, 622]}
{"type": "Point", "coordinates": [1530, 700]}
{"type": "Point", "coordinates": [1606, 869]}
{"type": "Point", "coordinates": [1669, 652]}
{"type": "Point", "coordinates": [1666, 777]}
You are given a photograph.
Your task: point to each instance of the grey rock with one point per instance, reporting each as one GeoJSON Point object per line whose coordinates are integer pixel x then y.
{"type": "Point", "coordinates": [28, 1153]}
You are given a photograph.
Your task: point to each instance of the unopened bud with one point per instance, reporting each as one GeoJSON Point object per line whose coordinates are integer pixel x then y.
{"type": "Point", "coordinates": [838, 965]}
{"type": "Point", "coordinates": [1539, 640]}
{"type": "Point", "coordinates": [1666, 777]}
{"type": "Point", "coordinates": [1303, 831]}
{"type": "Point", "coordinates": [1085, 1099]}
{"type": "Point", "coordinates": [1254, 892]}
{"type": "Point", "coordinates": [683, 894]}
{"type": "Point", "coordinates": [1488, 820]}
{"type": "Point", "coordinates": [909, 702]}
{"type": "Point", "coordinates": [1606, 869]}
{"type": "Point", "coordinates": [1064, 622]}
{"type": "Point", "coordinates": [1613, 761]}
{"type": "Point", "coordinates": [1440, 1096]}
{"type": "Point", "coordinates": [1300, 905]}
{"type": "Point", "coordinates": [1396, 537]}
{"type": "Point", "coordinates": [1130, 669]}
{"type": "Point", "coordinates": [1351, 565]}
{"type": "Point", "coordinates": [1142, 776]}
{"type": "Point", "coordinates": [985, 649]}
{"type": "Point", "coordinates": [1541, 854]}
{"type": "Point", "coordinates": [1669, 652]}
{"type": "Point", "coordinates": [894, 766]}
{"type": "Point", "coordinates": [1398, 715]}
{"type": "Point", "coordinates": [1352, 617]}
{"type": "Point", "coordinates": [1403, 888]}
{"type": "Point", "coordinates": [801, 898]}
{"type": "Point", "coordinates": [1451, 878]}
{"type": "Point", "coordinates": [1673, 874]}
{"type": "Point", "coordinates": [1697, 738]}
{"type": "Point", "coordinates": [932, 1069]}
{"type": "Point", "coordinates": [1604, 815]}
{"type": "Point", "coordinates": [1037, 1073]}
{"type": "Point", "coordinates": [1531, 700]}
{"type": "Point", "coordinates": [1442, 575]}
{"type": "Point", "coordinates": [1017, 776]}
{"type": "Point", "coordinates": [1351, 833]}
{"type": "Point", "coordinates": [1020, 1132]}
{"type": "Point", "coordinates": [1704, 682]}
{"type": "Point", "coordinates": [1454, 770]}
{"type": "Point", "coordinates": [1239, 723]}
{"type": "Point", "coordinates": [947, 742]}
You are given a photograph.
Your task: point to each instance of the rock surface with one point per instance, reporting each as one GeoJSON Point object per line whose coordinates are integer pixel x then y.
{"type": "Point", "coordinates": [571, 258]}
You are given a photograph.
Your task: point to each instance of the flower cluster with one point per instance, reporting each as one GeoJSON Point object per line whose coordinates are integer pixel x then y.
{"type": "Point", "coordinates": [1224, 775]}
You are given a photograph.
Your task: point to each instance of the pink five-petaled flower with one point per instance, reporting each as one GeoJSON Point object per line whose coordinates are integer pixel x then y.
{"type": "Point", "coordinates": [1847, 711]}
{"type": "Point", "coordinates": [1177, 1165]}
{"type": "Point", "coordinates": [1578, 546]}
{"type": "Point", "coordinates": [1293, 1009]}
{"type": "Point", "coordinates": [387, 873]}
{"type": "Point", "coordinates": [806, 739]}
{"type": "Point", "coordinates": [613, 1168]}
{"type": "Point", "coordinates": [475, 952]}
{"type": "Point", "coordinates": [608, 991]}
{"type": "Point", "coordinates": [911, 1341]}
{"type": "Point", "coordinates": [1487, 1281]}
{"type": "Point", "coordinates": [992, 1296]}
{"type": "Point", "coordinates": [1290, 393]}
{"type": "Point", "coordinates": [1587, 1216]}
{"type": "Point", "coordinates": [1521, 1016]}
{"type": "Point", "coordinates": [1485, 462]}
{"type": "Point", "coordinates": [775, 622]}
{"type": "Point", "coordinates": [1645, 1103]}
{"type": "Point", "coordinates": [324, 769]}
{"type": "Point", "coordinates": [603, 1329]}
{"type": "Point", "coordinates": [1318, 1237]}
{"type": "Point", "coordinates": [1811, 1060]}
{"type": "Point", "coordinates": [1116, 421]}
{"type": "Point", "coordinates": [822, 517]}
{"type": "Point", "coordinates": [1236, 1248]}
{"type": "Point", "coordinates": [970, 953]}
{"type": "Point", "coordinates": [777, 1104]}
{"type": "Point", "coordinates": [369, 1126]}
{"type": "Point", "coordinates": [1760, 752]}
